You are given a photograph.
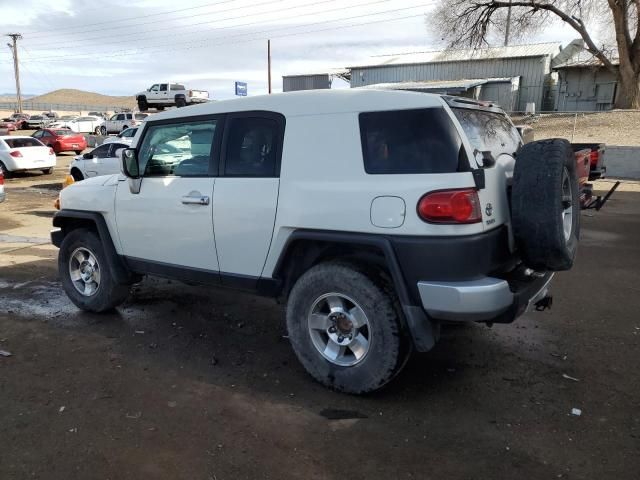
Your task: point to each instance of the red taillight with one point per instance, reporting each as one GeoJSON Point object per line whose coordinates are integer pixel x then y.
{"type": "Point", "coordinates": [450, 206]}
{"type": "Point", "coordinates": [1, 177]}
{"type": "Point", "coordinates": [51, 152]}
{"type": "Point", "coordinates": [15, 154]}
{"type": "Point", "coordinates": [594, 156]}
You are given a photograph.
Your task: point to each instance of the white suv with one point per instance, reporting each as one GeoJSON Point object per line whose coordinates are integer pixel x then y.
{"type": "Point", "coordinates": [376, 216]}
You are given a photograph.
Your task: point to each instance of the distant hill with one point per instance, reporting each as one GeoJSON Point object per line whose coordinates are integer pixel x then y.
{"type": "Point", "coordinates": [73, 96]}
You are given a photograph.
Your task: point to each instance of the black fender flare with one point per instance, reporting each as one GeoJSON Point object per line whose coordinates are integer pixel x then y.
{"type": "Point", "coordinates": [67, 220]}
{"type": "Point", "coordinates": [424, 331]}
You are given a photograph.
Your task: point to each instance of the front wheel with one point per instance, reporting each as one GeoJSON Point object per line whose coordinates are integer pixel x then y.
{"type": "Point", "coordinates": [345, 328]}
{"type": "Point", "coordinates": [85, 274]}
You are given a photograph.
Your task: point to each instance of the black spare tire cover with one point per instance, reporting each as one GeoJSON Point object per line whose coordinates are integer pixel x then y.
{"type": "Point", "coordinates": [545, 205]}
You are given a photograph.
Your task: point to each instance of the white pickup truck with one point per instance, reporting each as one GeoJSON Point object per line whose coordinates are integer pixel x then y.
{"type": "Point", "coordinates": [161, 95]}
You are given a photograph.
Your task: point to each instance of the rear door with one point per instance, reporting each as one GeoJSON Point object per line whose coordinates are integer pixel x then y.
{"type": "Point", "coordinates": [167, 227]}
{"type": "Point", "coordinates": [246, 194]}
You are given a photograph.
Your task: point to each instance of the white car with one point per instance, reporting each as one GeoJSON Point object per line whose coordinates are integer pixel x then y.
{"type": "Point", "coordinates": [121, 121]}
{"type": "Point", "coordinates": [102, 160]}
{"type": "Point", "coordinates": [3, 196]}
{"type": "Point", "coordinates": [375, 216]}
{"type": "Point", "coordinates": [18, 154]}
{"type": "Point", "coordinates": [125, 136]}
{"type": "Point", "coordinates": [80, 124]}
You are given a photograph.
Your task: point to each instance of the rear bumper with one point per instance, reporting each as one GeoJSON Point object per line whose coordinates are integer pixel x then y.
{"type": "Point", "coordinates": [69, 146]}
{"type": "Point", "coordinates": [487, 299]}
{"type": "Point", "coordinates": [23, 164]}
{"type": "Point", "coordinates": [3, 196]}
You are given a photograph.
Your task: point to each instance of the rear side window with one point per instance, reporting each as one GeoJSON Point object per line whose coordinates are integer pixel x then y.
{"type": "Point", "coordinates": [252, 147]}
{"type": "Point", "coordinates": [22, 142]}
{"type": "Point", "coordinates": [489, 131]}
{"type": "Point", "coordinates": [411, 142]}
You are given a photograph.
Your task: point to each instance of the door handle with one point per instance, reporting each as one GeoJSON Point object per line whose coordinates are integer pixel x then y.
{"type": "Point", "coordinates": [195, 200]}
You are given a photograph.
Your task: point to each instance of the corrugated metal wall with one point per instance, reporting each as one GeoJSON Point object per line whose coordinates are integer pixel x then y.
{"type": "Point", "coordinates": [305, 82]}
{"type": "Point", "coordinates": [585, 89]}
{"type": "Point", "coordinates": [532, 70]}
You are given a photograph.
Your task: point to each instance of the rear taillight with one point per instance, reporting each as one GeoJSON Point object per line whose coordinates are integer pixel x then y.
{"type": "Point", "coordinates": [190, 93]}
{"type": "Point", "coordinates": [594, 156]}
{"type": "Point", "coordinates": [15, 154]}
{"type": "Point", "coordinates": [51, 152]}
{"type": "Point", "coordinates": [1, 177]}
{"type": "Point", "coordinates": [450, 206]}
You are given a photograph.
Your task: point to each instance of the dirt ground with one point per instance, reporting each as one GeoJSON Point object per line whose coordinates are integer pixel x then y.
{"type": "Point", "coordinates": [618, 127]}
{"type": "Point", "coordinates": [193, 383]}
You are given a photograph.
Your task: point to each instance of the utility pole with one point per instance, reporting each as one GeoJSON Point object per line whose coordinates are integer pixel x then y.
{"type": "Point", "coordinates": [269, 63]}
{"type": "Point", "coordinates": [507, 31]}
{"type": "Point", "coordinates": [14, 50]}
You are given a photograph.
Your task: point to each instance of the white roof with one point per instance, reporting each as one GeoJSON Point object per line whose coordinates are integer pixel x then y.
{"type": "Point", "coordinates": [441, 56]}
{"type": "Point", "coordinates": [463, 84]}
{"type": "Point", "coordinates": [311, 102]}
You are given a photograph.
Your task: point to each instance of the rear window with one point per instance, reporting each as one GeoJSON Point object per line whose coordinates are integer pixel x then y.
{"type": "Point", "coordinates": [489, 131]}
{"type": "Point", "coordinates": [411, 141]}
{"type": "Point", "coordinates": [22, 142]}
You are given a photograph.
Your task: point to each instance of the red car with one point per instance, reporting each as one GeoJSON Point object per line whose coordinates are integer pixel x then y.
{"type": "Point", "coordinates": [9, 125]}
{"type": "Point", "coordinates": [62, 139]}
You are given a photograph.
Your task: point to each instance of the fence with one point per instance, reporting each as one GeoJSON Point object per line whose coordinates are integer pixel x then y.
{"type": "Point", "coordinates": [64, 107]}
{"type": "Point", "coordinates": [616, 127]}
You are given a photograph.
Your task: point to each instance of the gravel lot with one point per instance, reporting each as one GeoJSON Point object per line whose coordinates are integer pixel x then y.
{"type": "Point", "coordinates": [193, 383]}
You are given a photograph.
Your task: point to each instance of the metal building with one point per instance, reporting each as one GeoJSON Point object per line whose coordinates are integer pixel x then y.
{"type": "Point", "coordinates": [585, 85]}
{"type": "Point", "coordinates": [528, 67]}
{"type": "Point", "coordinates": [292, 83]}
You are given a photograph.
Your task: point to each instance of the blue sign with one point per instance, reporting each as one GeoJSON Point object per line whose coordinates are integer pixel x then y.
{"type": "Point", "coordinates": [241, 89]}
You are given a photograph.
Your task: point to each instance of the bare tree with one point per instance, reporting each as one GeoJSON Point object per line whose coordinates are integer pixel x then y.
{"type": "Point", "coordinates": [473, 22]}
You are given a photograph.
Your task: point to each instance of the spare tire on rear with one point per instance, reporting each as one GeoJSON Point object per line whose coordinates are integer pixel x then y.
{"type": "Point", "coordinates": [545, 206]}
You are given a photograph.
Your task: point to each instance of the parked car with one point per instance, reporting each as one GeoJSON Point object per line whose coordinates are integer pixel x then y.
{"type": "Point", "coordinates": [9, 125]}
{"type": "Point", "coordinates": [125, 136]}
{"type": "Point", "coordinates": [19, 120]}
{"type": "Point", "coordinates": [81, 124]}
{"type": "Point", "coordinates": [3, 195]}
{"type": "Point", "coordinates": [51, 115]}
{"type": "Point", "coordinates": [374, 215]}
{"type": "Point", "coordinates": [25, 153]}
{"type": "Point", "coordinates": [102, 115]}
{"type": "Point", "coordinates": [36, 121]}
{"type": "Point", "coordinates": [161, 95]}
{"type": "Point", "coordinates": [102, 160]}
{"type": "Point", "coordinates": [62, 139]}
{"type": "Point", "coordinates": [119, 122]}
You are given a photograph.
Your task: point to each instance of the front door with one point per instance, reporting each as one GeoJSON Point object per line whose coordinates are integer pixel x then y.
{"type": "Point", "coordinates": [168, 225]}
{"type": "Point", "coordinates": [246, 194]}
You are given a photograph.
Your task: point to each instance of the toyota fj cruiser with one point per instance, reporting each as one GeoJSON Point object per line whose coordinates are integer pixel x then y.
{"type": "Point", "coordinates": [375, 215]}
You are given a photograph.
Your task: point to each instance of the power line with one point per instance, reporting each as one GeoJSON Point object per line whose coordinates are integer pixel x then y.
{"type": "Point", "coordinates": [137, 17]}
{"type": "Point", "coordinates": [190, 45]}
{"type": "Point", "coordinates": [209, 22]}
{"type": "Point", "coordinates": [60, 59]}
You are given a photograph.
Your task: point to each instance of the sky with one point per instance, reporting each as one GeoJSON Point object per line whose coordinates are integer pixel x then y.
{"type": "Point", "coordinates": [122, 47]}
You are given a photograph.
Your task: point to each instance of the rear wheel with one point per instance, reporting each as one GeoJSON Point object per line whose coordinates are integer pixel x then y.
{"type": "Point", "coordinates": [181, 102]}
{"type": "Point", "coordinates": [345, 328]}
{"type": "Point", "coordinates": [85, 274]}
{"type": "Point", "coordinates": [78, 152]}
{"type": "Point", "coordinates": [47, 171]}
{"type": "Point", "coordinates": [97, 130]}
{"type": "Point", "coordinates": [143, 106]}
{"type": "Point", "coordinates": [103, 131]}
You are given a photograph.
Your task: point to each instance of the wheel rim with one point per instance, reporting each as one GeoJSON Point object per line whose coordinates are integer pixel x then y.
{"type": "Point", "coordinates": [339, 329]}
{"type": "Point", "coordinates": [84, 271]}
{"type": "Point", "coordinates": [103, 131]}
{"type": "Point", "coordinates": [567, 205]}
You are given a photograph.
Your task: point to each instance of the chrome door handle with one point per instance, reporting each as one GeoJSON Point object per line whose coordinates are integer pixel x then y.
{"type": "Point", "coordinates": [195, 200]}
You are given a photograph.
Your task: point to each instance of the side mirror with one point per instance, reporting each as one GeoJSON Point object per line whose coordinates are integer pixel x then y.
{"type": "Point", "coordinates": [130, 167]}
{"type": "Point", "coordinates": [87, 156]}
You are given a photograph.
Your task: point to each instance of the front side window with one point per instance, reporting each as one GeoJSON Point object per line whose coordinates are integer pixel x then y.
{"type": "Point", "coordinates": [251, 147]}
{"type": "Point", "coordinates": [489, 131]}
{"type": "Point", "coordinates": [411, 142]}
{"type": "Point", "coordinates": [154, 88]}
{"type": "Point", "coordinates": [178, 149]}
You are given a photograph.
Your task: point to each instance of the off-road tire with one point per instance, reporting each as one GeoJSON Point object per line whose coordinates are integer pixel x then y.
{"type": "Point", "coordinates": [181, 102]}
{"type": "Point", "coordinates": [537, 204]}
{"type": "Point", "coordinates": [390, 345]}
{"type": "Point", "coordinates": [143, 106]}
{"type": "Point", "coordinates": [109, 294]}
